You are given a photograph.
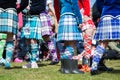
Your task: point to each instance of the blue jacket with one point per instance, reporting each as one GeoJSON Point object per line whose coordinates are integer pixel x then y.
{"type": "Point", "coordinates": [70, 6]}
{"type": "Point", "coordinates": [109, 7]}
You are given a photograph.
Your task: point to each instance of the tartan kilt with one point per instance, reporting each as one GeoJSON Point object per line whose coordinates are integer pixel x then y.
{"type": "Point", "coordinates": [46, 28]}
{"type": "Point", "coordinates": [31, 27]}
{"type": "Point", "coordinates": [68, 28]}
{"type": "Point", "coordinates": [8, 20]}
{"type": "Point", "coordinates": [108, 28]}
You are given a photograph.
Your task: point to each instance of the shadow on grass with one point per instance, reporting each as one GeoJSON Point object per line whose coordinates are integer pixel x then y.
{"type": "Point", "coordinates": [109, 72]}
{"type": "Point", "coordinates": [115, 71]}
{"type": "Point", "coordinates": [117, 66]}
{"type": "Point", "coordinates": [42, 65]}
{"type": "Point", "coordinates": [20, 67]}
{"type": "Point", "coordinates": [15, 67]}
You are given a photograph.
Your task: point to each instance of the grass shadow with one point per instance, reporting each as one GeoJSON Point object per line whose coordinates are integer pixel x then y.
{"type": "Point", "coordinates": [15, 67]}
{"type": "Point", "coordinates": [114, 71]}
{"type": "Point", "coordinates": [41, 64]}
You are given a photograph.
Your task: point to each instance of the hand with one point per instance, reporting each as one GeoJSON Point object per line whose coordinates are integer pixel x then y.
{"type": "Point", "coordinates": [80, 26]}
{"type": "Point", "coordinates": [78, 57]}
{"type": "Point", "coordinates": [28, 8]}
{"type": "Point", "coordinates": [86, 18]}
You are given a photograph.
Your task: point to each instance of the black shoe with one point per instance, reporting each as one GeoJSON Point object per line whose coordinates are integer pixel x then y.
{"type": "Point", "coordinates": [53, 63]}
{"type": "Point", "coordinates": [94, 72]}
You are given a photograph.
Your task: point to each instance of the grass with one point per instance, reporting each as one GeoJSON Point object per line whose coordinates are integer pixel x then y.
{"type": "Point", "coordinates": [51, 72]}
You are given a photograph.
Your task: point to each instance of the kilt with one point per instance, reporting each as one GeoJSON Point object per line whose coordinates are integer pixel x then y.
{"type": "Point", "coordinates": [31, 27]}
{"type": "Point", "coordinates": [68, 28]}
{"type": "Point", "coordinates": [108, 28]}
{"type": "Point", "coordinates": [8, 20]}
{"type": "Point", "coordinates": [46, 28]}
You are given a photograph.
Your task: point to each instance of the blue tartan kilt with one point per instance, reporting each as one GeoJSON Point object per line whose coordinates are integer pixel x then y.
{"type": "Point", "coordinates": [108, 28]}
{"type": "Point", "coordinates": [8, 20]}
{"type": "Point", "coordinates": [31, 27]}
{"type": "Point", "coordinates": [46, 24]}
{"type": "Point", "coordinates": [68, 28]}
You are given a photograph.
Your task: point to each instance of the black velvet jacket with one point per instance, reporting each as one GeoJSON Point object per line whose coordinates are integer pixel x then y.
{"type": "Point", "coordinates": [37, 6]}
{"type": "Point", "coordinates": [12, 4]}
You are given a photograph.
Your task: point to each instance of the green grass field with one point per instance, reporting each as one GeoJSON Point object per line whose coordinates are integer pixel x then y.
{"type": "Point", "coordinates": [51, 72]}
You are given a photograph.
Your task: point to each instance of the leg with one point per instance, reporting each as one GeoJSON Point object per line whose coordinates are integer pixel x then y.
{"type": "Point", "coordinates": [2, 45]}
{"type": "Point", "coordinates": [52, 49]}
{"type": "Point", "coordinates": [9, 50]}
{"type": "Point", "coordinates": [33, 51]}
{"type": "Point", "coordinates": [67, 64]}
{"type": "Point", "coordinates": [98, 53]}
{"type": "Point", "coordinates": [23, 48]}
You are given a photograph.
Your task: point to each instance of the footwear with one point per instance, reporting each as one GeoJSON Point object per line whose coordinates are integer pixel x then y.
{"type": "Point", "coordinates": [18, 60]}
{"type": "Point", "coordinates": [75, 69]}
{"type": "Point", "coordinates": [86, 64]}
{"type": "Point", "coordinates": [34, 65]}
{"type": "Point", "coordinates": [67, 69]}
{"type": "Point", "coordinates": [2, 61]}
{"type": "Point", "coordinates": [30, 65]}
{"type": "Point", "coordinates": [94, 72]}
{"type": "Point", "coordinates": [85, 68]}
{"type": "Point", "coordinates": [62, 65]}
{"type": "Point", "coordinates": [27, 65]}
{"type": "Point", "coordinates": [70, 67]}
{"type": "Point", "coordinates": [54, 63]}
{"type": "Point", "coordinates": [7, 65]}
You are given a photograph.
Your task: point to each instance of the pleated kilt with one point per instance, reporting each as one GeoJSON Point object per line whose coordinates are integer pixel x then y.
{"type": "Point", "coordinates": [108, 28]}
{"type": "Point", "coordinates": [31, 27]}
{"type": "Point", "coordinates": [8, 20]}
{"type": "Point", "coordinates": [68, 28]}
{"type": "Point", "coordinates": [46, 28]}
